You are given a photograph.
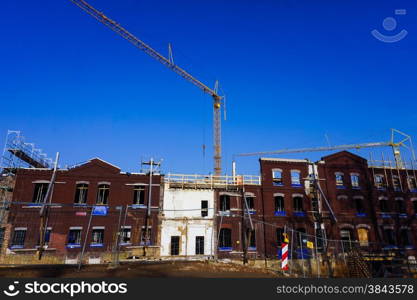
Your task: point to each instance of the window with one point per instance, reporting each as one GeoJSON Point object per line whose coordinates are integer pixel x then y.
{"type": "Point", "coordinates": [277, 177]}
{"type": "Point", "coordinates": [400, 206]}
{"type": "Point", "coordinates": [279, 203]}
{"type": "Point", "coordinates": [97, 238]}
{"type": "Point", "coordinates": [46, 239]}
{"type": "Point", "coordinates": [383, 205]}
{"type": "Point", "coordinates": [204, 208]}
{"type": "Point", "coordinates": [280, 237]}
{"type": "Point", "coordinates": [339, 179]}
{"type": "Point", "coordinates": [146, 235]}
{"type": "Point", "coordinates": [405, 237]}
{"type": "Point", "coordinates": [2, 230]}
{"type": "Point", "coordinates": [412, 184]}
{"type": "Point", "coordinates": [389, 236]}
{"type": "Point", "coordinates": [74, 237]}
{"type": "Point", "coordinates": [251, 238]}
{"type": "Point", "coordinates": [354, 179]}
{"type": "Point", "coordinates": [250, 201]}
{"type": "Point", "coordinates": [298, 204]}
{"type": "Point", "coordinates": [224, 202]}
{"type": "Point", "coordinates": [175, 245]}
{"type": "Point", "coordinates": [359, 205]}
{"type": "Point", "coordinates": [346, 237]}
{"type": "Point", "coordinates": [225, 238]}
{"type": "Point", "coordinates": [379, 181]}
{"type": "Point", "coordinates": [396, 182]}
{"type": "Point", "coordinates": [138, 195]}
{"type": "Point", "coordinates": [103, 194]}
{"type": "Point", "coordinates": [295, 178]}
{"type": "Point", "coordinates": [415, 206]}
{"type": "Point", "coordinates": [19, 236]}
{"type": "Point", "coordinates": [301, 237]}
{"type": "Point", "coordinates": [363, 237]}
{"type": "Point", "coordinates": [40, 192]}
{"type": "Point", "coordinates": [81, 190]}
{"type": "Point", "coordinates": [199, 245]}
{"type": "Point", "coordinates": [126, 236]}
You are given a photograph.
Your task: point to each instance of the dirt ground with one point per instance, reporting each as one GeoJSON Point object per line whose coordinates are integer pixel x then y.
{"type": "Point", "coordinates": [139, 269]}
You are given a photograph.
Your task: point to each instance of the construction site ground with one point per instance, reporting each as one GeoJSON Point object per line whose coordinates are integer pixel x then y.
{"type": "Point", "coordinates": [160, 269]}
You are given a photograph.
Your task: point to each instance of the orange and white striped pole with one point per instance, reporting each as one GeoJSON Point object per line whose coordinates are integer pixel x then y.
{"type": "Point", "coordinates": [284, 253]}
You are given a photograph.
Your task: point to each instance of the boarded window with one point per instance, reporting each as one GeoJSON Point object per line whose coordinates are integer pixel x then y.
{"type": "Point", "coordinates": [175, 245]}
{"type": "Point", "coordinates": [81, 191]}
{"type": "Point", "coordinates": [103, 194]}
{"type": "Point", "coordinates": [363, 237]}
{"type": "Point", "coordinates": [225, 238]}
{"type": "Point", "coordinates": [39, 192]}
{"type": "Point", "coordinates": [199, 245]}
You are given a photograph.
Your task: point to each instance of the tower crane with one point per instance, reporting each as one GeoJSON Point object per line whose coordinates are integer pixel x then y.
{"type": "Point", "coordinates": [395, 145]}
{"type": "Point", "coordinates": [169, 63]}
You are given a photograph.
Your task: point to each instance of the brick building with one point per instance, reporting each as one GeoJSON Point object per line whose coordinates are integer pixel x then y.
{"type": "Point", "coordinates": [372, 208]}
{"type": "Point", "coordinates": [375, 208]}
{"type": "Point", "coordinates": [96, 196]}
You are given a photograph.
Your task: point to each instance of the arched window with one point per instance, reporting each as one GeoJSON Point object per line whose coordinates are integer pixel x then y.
{"type": "Point", "coordinates": [225, 238]}
{"type": "Point", "coordinates": [279, 203]}
{"type": "Point", "coordinates": [224, 202]}
{"type": "Point", "coordinates": [103, 194]}
{"type": "Point", "coordinates": [81, 191]}
{"type": "Point", "coordinates": [363, 235]}
{"type": "Point", "coordinates": [39, 192]}
{"type": "Point", "coordinates": [277, 177]}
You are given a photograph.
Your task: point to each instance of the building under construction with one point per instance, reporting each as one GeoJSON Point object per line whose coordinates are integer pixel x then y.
{"type": "Point", "coordinates": [343, 215]}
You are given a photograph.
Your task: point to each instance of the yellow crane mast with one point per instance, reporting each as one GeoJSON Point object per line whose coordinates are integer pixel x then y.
{"type": "Point", "coordinates": [169, 63]}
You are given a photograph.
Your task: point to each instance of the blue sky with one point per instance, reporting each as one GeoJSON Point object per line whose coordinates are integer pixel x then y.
{"type": "Point", "coordinates": [293, 71]}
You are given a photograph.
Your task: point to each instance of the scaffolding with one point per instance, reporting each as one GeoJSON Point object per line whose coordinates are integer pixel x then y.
{"type": "Point", "coordinates": [17, 153]}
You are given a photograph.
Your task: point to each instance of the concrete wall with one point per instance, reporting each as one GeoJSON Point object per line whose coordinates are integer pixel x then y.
{"type": "Point", "coordinates": [187, 222]}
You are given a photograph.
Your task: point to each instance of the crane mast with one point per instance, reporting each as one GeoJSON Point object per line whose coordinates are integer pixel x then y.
{"type": "Point", "coordinates": [217, 99]}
